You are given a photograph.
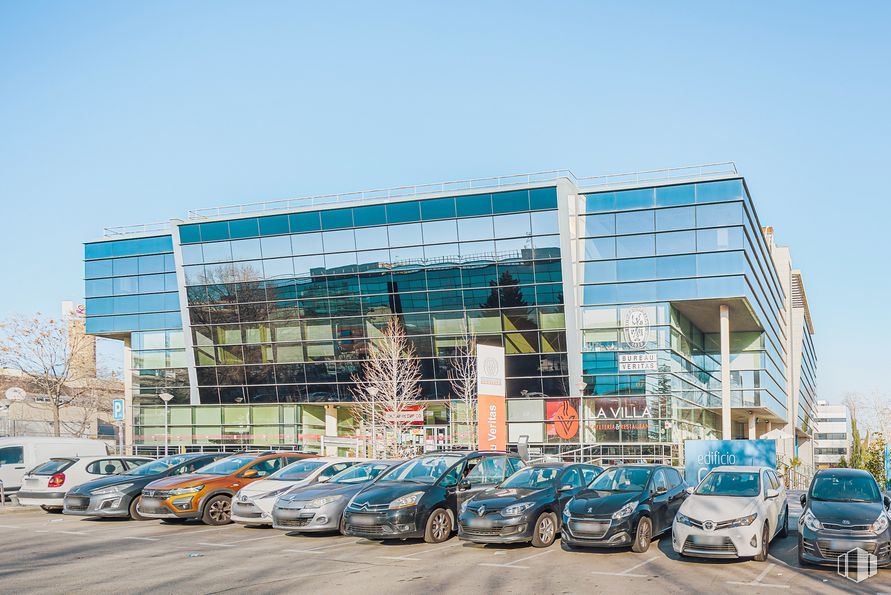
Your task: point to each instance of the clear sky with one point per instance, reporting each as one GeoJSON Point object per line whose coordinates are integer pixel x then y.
{"type": "Point", "coordinates": [114, 113]}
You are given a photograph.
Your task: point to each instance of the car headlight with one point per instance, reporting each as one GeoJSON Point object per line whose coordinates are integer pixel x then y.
{"type": "Point", "coordinates": [323, 501]}
{"type": "Point", "coordinates": [516, 509]}
{"type": "Point", "coordinates": [191, 490]}
{"type": "Point", "coordinates": [743, 521]}
{"type": "Point", "coordinates": [625, 511]}
{"type": "Point", "coordinates": [811, 522]}
{"type": "Point", "coordinates": [406, 501]}
{"type": "Point", "coordinates": [115, 489]}
{"type": "Point", "coordinates": [880, 524]}
{"type": "Point", "coordinates": [683, 519]}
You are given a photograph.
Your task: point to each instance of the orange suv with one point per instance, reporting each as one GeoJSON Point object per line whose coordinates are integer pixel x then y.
{"type": "Point", "coordinates": [207, 493]}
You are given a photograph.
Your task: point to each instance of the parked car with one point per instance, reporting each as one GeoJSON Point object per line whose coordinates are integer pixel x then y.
{"type": "Point", "coordinates": [253, 503]}
{"type": "Point", "coordinates": [733, 512]}
{"type": "Point", "coordinates": [118, 495]}
{"type": "Point", "coordinates": [526, 506]}
{"type": "Point", "coordinates": [19, 454]}
{"type": "Point", "coordinates": [47, 484]}
{"type": "Point", "coordinates": [624, 505]}
{"type": "Point", "coordinates": [319, 507]}
{"type": "Point", "coordinates": [207, 493]}
{"type": "Point", "coordinates": [420, 498]}
{"type": "Point", "coordinates": [843, 509]}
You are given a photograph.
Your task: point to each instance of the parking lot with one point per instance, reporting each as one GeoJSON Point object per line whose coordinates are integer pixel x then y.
{"type": "Point", "coordinates": [54, 553]}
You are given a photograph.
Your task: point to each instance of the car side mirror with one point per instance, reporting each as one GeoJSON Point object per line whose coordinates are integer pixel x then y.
{"type": "Point", "coordinates": [689, 490]}
{"type": "Point", "coordinates": [323, 479]}
{"type": "Point", "coordinates": [803, 499]}
{"type": "Point", "coordinates": [250, 473]}
{"type": "Point", "coordinates": [463, 485]}
{"type": "Point", "coordinates": [887, 502]}
{"type": "Point", "coordinates": [565, 488]}
{"type": "Point", "coordinates": [661, 490]}
{"type": "Point", "coordinates": [772, 493]}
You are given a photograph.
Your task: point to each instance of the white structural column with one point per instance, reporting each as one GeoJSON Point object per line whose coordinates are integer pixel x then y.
{"type": "Point", "coordinates": [128, 398]}
{"type": "Point", "coordinates": [331, 420]}
{"type": "Point", "coordinates": [753, 427]}
{"type": "Point", "coordinates": [726, 426]}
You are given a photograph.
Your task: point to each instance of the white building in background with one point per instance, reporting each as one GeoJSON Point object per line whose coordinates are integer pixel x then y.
{"type": "Point", "coordinates": [832, 436]}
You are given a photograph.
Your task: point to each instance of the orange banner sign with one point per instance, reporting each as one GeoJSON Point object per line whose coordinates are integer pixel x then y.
{"type": "Point", "coordinates": [492, 422]}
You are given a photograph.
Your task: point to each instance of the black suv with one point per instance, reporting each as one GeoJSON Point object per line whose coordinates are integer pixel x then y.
{"type": "Point", "coordinates": [420, 498]}
{"type": "Point", "coordinates": [624, 505]}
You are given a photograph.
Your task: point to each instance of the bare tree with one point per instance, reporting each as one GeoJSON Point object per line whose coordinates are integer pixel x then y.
{"type": "Point", "coordinates": [388, 385]}
{"type": "Point", "coordinates": [47, 355]}
{"type": "Point", "coordinates": [463, 380]}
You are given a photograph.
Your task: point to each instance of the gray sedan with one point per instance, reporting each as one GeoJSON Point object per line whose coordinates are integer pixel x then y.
{"type": "Point", "coordinates": [320, 507]}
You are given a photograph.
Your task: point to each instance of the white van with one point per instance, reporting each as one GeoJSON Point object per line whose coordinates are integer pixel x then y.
{"type": "Point", "coordinates": [21, 453]}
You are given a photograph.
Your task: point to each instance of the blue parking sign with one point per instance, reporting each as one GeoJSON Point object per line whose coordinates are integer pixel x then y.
{"type": "Point", "coordinates": [117, 409]}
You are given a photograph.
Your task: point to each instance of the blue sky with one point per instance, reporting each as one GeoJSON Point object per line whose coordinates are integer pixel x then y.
{"type": "Point", "coordinates": [114, 113]}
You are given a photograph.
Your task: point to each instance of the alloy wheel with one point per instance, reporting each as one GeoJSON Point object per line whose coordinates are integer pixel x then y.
{"type": "Point", "coordinates": [546, 530]}
{"type": "Point", "coordinates": [645, 534]}
{"type": "Point", "coordinates": [220, 510]}
{"type": "Point", "coordinates": [441, 526]}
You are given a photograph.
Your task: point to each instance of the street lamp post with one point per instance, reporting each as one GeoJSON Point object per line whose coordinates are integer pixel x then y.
{"type": "Point", "coordinates": [372, 392]}
{"type": "Point", "coordinates": [166, 397]}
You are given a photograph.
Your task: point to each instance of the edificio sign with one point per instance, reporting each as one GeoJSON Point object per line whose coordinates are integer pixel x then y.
{"type": "Point", "coordinates": [701, 456]}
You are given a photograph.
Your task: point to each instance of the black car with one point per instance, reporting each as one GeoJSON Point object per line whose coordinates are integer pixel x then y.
{"type": "Point", "coordinates": [842, 510]}
{"type": "Point", "coordinates": [526, 506]}
{"type": "Point", "coordinates": [420, 498]}
{"type": "Point", "coordinates": [624, 505]}
{"type": "Point", "coordinates": [118, 495]}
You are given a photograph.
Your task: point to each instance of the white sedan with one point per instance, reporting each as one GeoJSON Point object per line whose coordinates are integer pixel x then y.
{"type": "Point", "coordinates": [734, 512]}
{"type": "Point", "coordinates": [253, 503]}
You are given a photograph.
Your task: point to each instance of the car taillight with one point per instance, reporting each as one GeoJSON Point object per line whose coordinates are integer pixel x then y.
{"type": "Point", "coordinates": [56, 480]}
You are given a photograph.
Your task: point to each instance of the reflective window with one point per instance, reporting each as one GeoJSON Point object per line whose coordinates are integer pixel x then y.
{"type": "Point", "coordinates": [635, 269]}
{"type": "Point", "coordinates": [512, 225]}
{"type": "Point", "coordinates": [125, 285]}
{"type": "Point", "coordinates": [192, 254]}
{"type": "Point", "coordinates": [306, 243]}
{"type": "Point", "coordinates": [631, 246]}
{"type": "Point", "coordinates": [405, 235]}
{"type": "Point", "coordinates": [339, 241]}
{"type": "Point", "coordinates": [436, 232]}
{"type": "Point", "coordinates": [676, 242]}
{"type": "Point", "coordinates": [598, 225]}
{"type": "Point", "coordinates": [211, 232]}
{"type": "Point", "coordinates": [276, 246]}
{"type": "Point", "coordinates": [278, 267]}
{"type": "Point", "coordinates": [477, 251]}
{"type": "Point", "coordinates": [371, 237]}
{"type": "Point", "coordinates": [670, 219]}
{"type": "Point", "coordinates": [635, 199]}
{"type": "Point", "coordinates": [470, 206]}
{"type": "Point", "coordinates": [545, 223]}
{"type": "Point", "coordinates": [188, 234]}
{"type": "Point", "coordinates": [217, 252]}
{"type": "Point", "coordinates": [151, 264]}
{"type": "Point", "coordinates": [370, 215]}
{"type": "Point", "coordinates": [151, 283]}
{"type": "Point", "coordinates": [719, 191]}
{"type": "Point", "coordinates": [480, 228]}
{"type": "Point", "coordinates": [722, 238]}
{"type": "Point", "coordinates": [244, 249]}
{"type": "Point", "coordinates": [634, 222]}
{"type": "Point", "coordinates": [447, 253]}
{"type": "Point", "coordinates": [438, 208]}
{"type": "Point", "coordinates": [304, 265]}
{"type": "Point", "coordinates": [543, 198]}
{"type": "Point", "coordinates": [403, 212]}
{"type": "Point", "coordinates": [275, 225]}
{"type": "Point", "coordinates": [338, 260]}
{"type": "Point", "coordinates": [600, 272]}
{"type": "Point", "coordinates": [676, 266]}
{"type": "Point", "coordinates": [97, 268]}
{"type": "Point", "coordinates": [667, 196]}
{"type": "Point", "coordinates": [603, 201]}
{"type": "Point", "coordinates": [244, 228]}
{"type": "Point", "coordinates": [337, 218]}
{"type": "Point", "coordinates": [510, 202]}
{"type": "Point", "coordinates": [600, 248]}
{"type": "Point", "coordinates": [300, 222]}
{"type": "Point", "coordinates": [125, 266]}
{"type": "Point", "coordinates": [719, 214]}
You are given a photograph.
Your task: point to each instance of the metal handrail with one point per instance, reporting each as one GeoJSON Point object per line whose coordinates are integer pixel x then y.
{"type": "Point", "coordinates": [660, 175]}
{"type": "Point", "coordinates": [139, 228]}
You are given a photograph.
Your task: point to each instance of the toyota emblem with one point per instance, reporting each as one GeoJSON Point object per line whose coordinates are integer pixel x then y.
{"type": "Point", "coordinates": [708, 525]}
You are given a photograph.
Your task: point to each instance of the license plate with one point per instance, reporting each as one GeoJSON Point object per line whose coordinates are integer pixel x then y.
{"type": "Point", "coordinates": [151, 504]}
{"type": "Point", "coordinates": [707, 539]}
{"type": "Point", "coordinates": [30, 481]}
{"type": "Point", "coordinates": [362, 519]}
{"type": "Point", "coordinates": [479, 523]}
{"type": "Point", "coordinates": [844, 546]}
{"type": "Point", "coordinates": [589, 527]}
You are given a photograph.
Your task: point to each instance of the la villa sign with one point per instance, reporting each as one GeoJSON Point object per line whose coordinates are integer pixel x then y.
{"type": "Point", "coordinates": [622, 412]}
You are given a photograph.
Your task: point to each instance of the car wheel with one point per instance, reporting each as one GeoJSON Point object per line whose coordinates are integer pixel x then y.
{"type": "Point", "coordinates": [643, 536]}
{"type": "Point", "coordinates": [343, 524]}
{"type": "Point", "coordinates": [134, 512]}
{"type": "Point", "coordinates": [784, 531]}
{"type": "Point", "coordinates": [439, 526]}
{"type": "Point", "coordinates": [217, 511]}
{"type": "Point", "coordinates": [545, 530]}
{"type": "Point", "coordinates": [761, 556]}
{"type": "Point", "coordinates": [51, 509]}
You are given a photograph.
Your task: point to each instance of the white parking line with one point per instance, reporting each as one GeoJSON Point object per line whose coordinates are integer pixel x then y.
{"type": "Point", "coordinates": [627, 572]}
{"type": "Point", "coordinates": [319, 549]}
{"type": "Point", "coordinates": [215, 544]}
{"type": "Point", "coordinates": [757, 582]}
{"type": "Point", "coordinates": [411, 556]}
{"type": "Point", "coordinates": [515, 563]}
{"type": "Point", "coordinates": [144, 538]}
{"type": "Point", "coordinates": [202, 530]}
{"type": "Point", "coordinates": [254, 539]}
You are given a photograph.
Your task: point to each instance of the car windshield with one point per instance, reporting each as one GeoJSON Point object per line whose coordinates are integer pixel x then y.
{"type": "Point", "coordinates": [159, 466]}
{"type": "Point", "coordinates": [730, 483]}
{"type": "Point", "coordinates": [852, 488]}
{"type": "Point", "coordinates": [296, 471]}
{"type": "Point", "coordinates": [52, 467]}
{"type": "Point", "coordinates": [532, 478]}
{"type": "Point", "coordinates": [622, 479]}
{"type": "Point", "coordinates": [226, 466]}
{"type": "Point", "coordinates": [360, 473]}
{"type": "Point", "coordinates": [424, 469]}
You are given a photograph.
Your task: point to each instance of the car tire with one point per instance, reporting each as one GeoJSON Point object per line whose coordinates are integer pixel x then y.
{"type": "Point", "coordinates": [784, 530]}
{"type": "Point", "coordinates": [134, 513]}
{"type": "Point", "coordinates": [51, 509]}
{"type": "Point", "coordinates": [761, 556]}
{"type": "Point", "coordinates": [342, 525]}
{"type": "Point", "coordinates": [217, 511]}
{"type": "Point", "coordinates": [545, 531]}
{"type": "Point", "coordinates": [643, 535]}
{"type": "Point", "coordinates": [439, 526]}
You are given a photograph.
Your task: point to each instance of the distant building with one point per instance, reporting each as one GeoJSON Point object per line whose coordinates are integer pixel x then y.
{"type": "Point", "coordinates": [832, 437]}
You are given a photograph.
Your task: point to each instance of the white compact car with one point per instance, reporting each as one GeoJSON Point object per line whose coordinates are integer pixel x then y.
{"type": "Point", "coordinates": [734, 512]}
{"type": "Point", "coordinates": [253, 503]}
{"type": "Point", "coordinates": [46, 484]}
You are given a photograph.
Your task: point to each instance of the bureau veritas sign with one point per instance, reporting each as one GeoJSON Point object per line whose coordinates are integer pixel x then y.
{"type": "Point", "coordinates": [638, 362]}
{"type": "Point", "coordinates": [636, 328]}
{"type": "Point", "coordinates": [491, 406]}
